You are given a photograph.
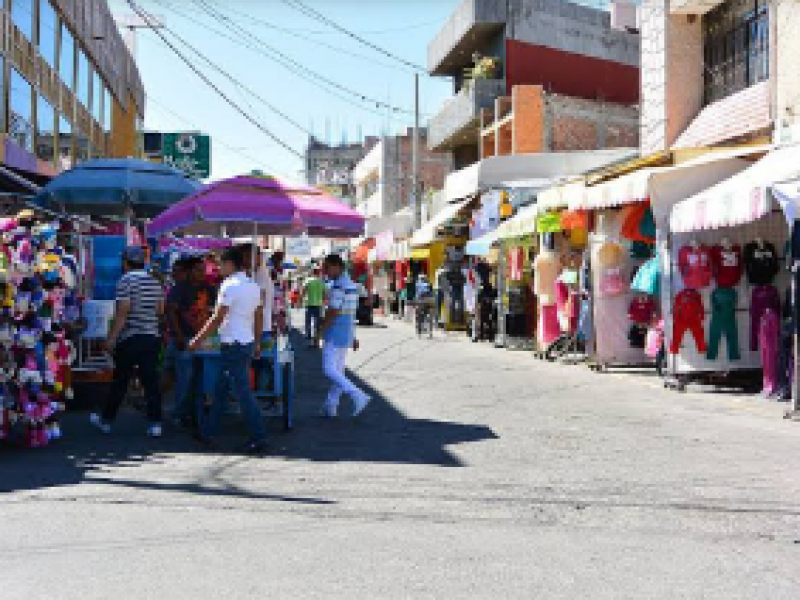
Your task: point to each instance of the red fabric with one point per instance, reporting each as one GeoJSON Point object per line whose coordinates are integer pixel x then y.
{"type": "Point", "coordinates": [631, 217]}
{"type": "Point", "coordinates": [575, 219]}
{"type": "Point", "coordinates": [641, 310]}
{"type": "Point", "coordinates": [695, 266]}
{"type": "Point", "coordinates": [516, 258]}
{"type": "Point", "coordinates": [688, 314]}
{"type": "Point", "coordinates": [361, 253]}
{"type": "Point", "coordinates": [727, 265]}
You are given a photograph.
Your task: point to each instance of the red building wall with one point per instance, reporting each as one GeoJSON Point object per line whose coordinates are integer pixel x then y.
{"type": "Point", "coordinates": [570, 74]}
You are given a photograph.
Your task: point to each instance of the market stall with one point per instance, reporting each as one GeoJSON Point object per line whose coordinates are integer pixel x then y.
{"type": "Point", "coordinates": [259, 206]}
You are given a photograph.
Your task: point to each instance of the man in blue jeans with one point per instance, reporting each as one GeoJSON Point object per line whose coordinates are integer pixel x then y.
{"type": "Point", "coordinates": [239, 318]}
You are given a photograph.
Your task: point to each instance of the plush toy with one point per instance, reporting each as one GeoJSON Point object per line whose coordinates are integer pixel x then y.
{"type": "Point", "coordinates": [65, 354]}
{"type": "Point", "coordinates": [29, 374]}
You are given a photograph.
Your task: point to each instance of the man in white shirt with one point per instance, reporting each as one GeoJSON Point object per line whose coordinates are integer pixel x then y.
{"type": "Point", "coordinates": [239, 318]}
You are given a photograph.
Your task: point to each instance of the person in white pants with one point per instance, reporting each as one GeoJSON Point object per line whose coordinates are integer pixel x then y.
{"type": "Point", "coordinates": [337, 332]}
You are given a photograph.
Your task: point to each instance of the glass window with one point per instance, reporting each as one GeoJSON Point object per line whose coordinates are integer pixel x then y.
{"type": "Point", "coordinates": [83, 83]}
{"type": "Point", "coordinates": [735, 47]}
{"type": "Point", "coordinates": [108, 109]}
{"type": "Point", "coordinates": [66, 59]}
{"type": "Point", "coordinates": [97, 96]}
{"type": "Point", "coordinates": [48, 32]}
{"type": "Point", "coordinates": [20, 111]}
{"type": "Point", "coordinates": [64, 144]}
{"type": "Point", "coordinates": [45, 130]}
{"type": "Point", "coordinates": [22, 15]}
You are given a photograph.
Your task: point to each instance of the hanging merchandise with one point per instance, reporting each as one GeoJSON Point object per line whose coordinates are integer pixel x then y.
{"type": "Point", "coordinates": [549, 223]}
{"type": "Point", "coordinates": [723, 322]}
{"type": "Point", "coordinates": [546, 268]}
{"type": "Point", "coordinates": [637, 223]}
{"type": "Point", "coordinates": [694, 264]}
{"type": "Point", "coordinates": [548, 326]}
{"type": "Point", "coordinates": [726, 263]}
{"type": "Point", "coordinates": [641, 310]}
{"type": "Point", "coordinates": [760, 262]}
{"type": "Point", "coordinates": [575, 219]}
{"type": "Point", "coordinates": [688, 315]}
{"type": "Point", "coordinates": [610, 257]}
{"type": "Point", "coordinates": [768, 333]}
{"type": "Point", "coordinates": [648, 278]}
{"type": "Point", "coordinates": [637, 335]}
{"type": "Point", "coordinates": [610, 254]}
{"type": "Point", "coordinates": [655, 339]}
{"type": "Point", "coordinates": [641, 250]}
{"type": "Point", "coordinates": [516, 260]}
{"type": "Point", "coordinates": [763, 299]}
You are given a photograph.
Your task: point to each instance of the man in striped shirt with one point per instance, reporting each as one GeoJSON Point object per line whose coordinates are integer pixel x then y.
{"type": "Point", "coordinates": [135, 341]}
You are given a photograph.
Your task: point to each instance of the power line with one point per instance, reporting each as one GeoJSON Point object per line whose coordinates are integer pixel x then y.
{"type": "Point", "coordinates": [314, 14]}
{"type": "Point", "coordinates": [149, 22]}
{"type": "Point", "coordinates": [236, 28]}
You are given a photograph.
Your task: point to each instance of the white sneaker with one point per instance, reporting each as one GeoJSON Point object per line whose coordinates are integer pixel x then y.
{"type": "Point", "coordinates": [328, 411]}
{"type": "Point", "coordinates": [359, 404]}
{"type": "Point", "coordinates": [154, 430]}
{"type": "Point", "coordinates": [97, 421]}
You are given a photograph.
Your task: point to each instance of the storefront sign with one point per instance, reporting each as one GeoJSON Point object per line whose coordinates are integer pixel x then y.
{"type": "Point", "coordinates": [188, 152]}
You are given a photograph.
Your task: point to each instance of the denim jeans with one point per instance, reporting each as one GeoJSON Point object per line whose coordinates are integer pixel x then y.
{"type": "Point", "coordinates": [234, 375]}
{"type": "Point", "coordinates": [136, 352]}
{"type": "Point", "coordinates": [184, 377]}
{"type": "Point", "coordinates": [313, 314]}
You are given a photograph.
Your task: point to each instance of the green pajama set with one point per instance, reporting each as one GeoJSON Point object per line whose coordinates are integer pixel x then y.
{"type": "Point", "coordinates": [723, 322]}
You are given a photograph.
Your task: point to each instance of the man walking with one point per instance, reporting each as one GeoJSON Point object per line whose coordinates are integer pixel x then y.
{"type": "Point", "coordinates": [135, 341]}
{"type": "Point", "coordinates": [338, 335]}
{"type": "Point", "coordinates": [239, 318]}
{"type": "Point", "coordinates": [189, 306]}
{"type": "Point", "coordinates": [314, 295]}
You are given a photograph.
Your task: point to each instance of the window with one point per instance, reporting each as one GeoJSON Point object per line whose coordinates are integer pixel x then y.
{"type": "Point", "coordinates": [82, 82]}
{"type": "Point", "coordinates": [20, 111]}
{"type": "Point", "coordinates": [97, 96]}
{"type": "Point", "coordinates": [64, 144]}
{"type": "Point", "coordinates": [108, 109]}
{"type": "Point", "coordinates": [48, 32]}
{"type": "Point", "coordinates": [66, 59]}
{"type": "Point", "coordinates": [735, 47]}
{"type": "Point", "coordinates": [22, 16]}
{"type": "Point", "coordinates": [45, 130]}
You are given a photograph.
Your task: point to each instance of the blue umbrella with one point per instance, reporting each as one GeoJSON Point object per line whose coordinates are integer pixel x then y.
{"type": "Point", "coordinates": [110, 186]}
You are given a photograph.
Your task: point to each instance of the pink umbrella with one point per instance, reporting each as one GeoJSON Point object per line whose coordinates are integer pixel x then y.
{"type": "Point", "coordinates": [257, 205]}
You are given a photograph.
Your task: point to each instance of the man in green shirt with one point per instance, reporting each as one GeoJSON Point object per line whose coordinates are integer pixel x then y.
{"type": "Point", "coordinates": [314, 296]}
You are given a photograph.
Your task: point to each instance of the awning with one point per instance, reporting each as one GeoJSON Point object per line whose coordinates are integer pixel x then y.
{"type": "Point", "coordinates": [560, 196]}
{"type": "Point", "coordinates": [787, 194]}
{"type": "Point", "coordinates": [740, 199]}
{"type": "Point", "coordinates": [400, 251]}
{"type": "Point", "coordinates": [420, 253]}
{"type": "Point", "coordinates": [482, 246]}
{"type": "Point", "coordinates": [426, 234]}
{"type": "Point", "coordinates": [521, 224]}
{"type": "Point", "coordinates": [498, 171]}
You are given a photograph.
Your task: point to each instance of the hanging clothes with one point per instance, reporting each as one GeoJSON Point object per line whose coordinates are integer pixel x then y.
{"type": "Point", "coordinates": [727, 265]}
{"type": "Point", "coordinates": [760, 262]}
{"type": "Point", "coordinates": [516, 261]}
{"type": "Point", "coordinates": [687, 315]}
{"type": "Point", "coordinates": [549, 330]}
{"type": "Point", "coordinates": [648, 278]}
{"type": "Point", "coordinates": [613, 282]}
{"type": "Point", "coordinates": [546, 268]}
{"type": "Point", "coordinates": [694, 264]}
{"type": "Point", "coordinates": [768, 334]}
{"type": "Point", "coordinates": [641, 310]}
{"type": "Point", "coordinates": [637, 223]}
{"type": "Point", "coordinates": [723, 322]}
{"type": "Point", "coordinates": [762, 299]}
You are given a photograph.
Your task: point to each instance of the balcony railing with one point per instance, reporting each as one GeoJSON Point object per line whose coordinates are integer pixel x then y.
{"type": "Point", "coordinates": [460, 115]}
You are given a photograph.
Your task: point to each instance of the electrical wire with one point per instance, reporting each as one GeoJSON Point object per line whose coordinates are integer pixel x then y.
{"type": "Point", "coordinates": [148, 20]}
{"type": "Point", "coordinates": [272, 52]}
{"type": "Point", "coordinates": [314, 14]}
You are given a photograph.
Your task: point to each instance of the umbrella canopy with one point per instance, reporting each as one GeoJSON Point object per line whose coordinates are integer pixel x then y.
{"type": "Point", "coordinates": [249, 205]}
{"type": "Point", "coordinates": [111, 186]}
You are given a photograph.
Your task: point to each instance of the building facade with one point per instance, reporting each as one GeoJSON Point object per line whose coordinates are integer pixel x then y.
{"type": "Point", "coordinates": [568, 49]}
{"type": "Point", "coordinates": [330, 167]}
{"type": "Point", "coordinates": [384, 178]}
{"type": "Point", "coordinates": [718, 72]}
{"type": "Point", "coordinates": [70, 89]}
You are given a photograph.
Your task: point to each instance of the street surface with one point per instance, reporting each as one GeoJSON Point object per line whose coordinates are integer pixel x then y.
{"type": "Point", "coordinates": [475, 473]}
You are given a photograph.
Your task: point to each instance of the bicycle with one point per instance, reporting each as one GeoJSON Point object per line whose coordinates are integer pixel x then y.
{"type": "Point", "coordinates": [424, 316]}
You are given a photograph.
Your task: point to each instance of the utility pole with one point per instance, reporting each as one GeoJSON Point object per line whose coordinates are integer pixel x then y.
{"type": "Point", "coordinates": [415, 199]}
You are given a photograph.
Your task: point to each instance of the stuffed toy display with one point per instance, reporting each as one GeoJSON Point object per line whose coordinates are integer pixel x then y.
{"type": "Point", "coordinates": [36, 304]}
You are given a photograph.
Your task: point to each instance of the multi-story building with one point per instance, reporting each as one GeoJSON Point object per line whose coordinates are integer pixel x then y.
{"type": "Point", "coordinates": [70, 88]}
{"type": "Point", "coordinates": [331, 167]}
{"type": "Point", "coordinates": [568, 49]}
{"type": "Point", "coordinates": [384, 178]}
{"type": "Point", "coordinates": [718, 72]}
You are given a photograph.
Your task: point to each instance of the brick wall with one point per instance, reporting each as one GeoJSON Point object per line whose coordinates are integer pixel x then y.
{"type": "Point", "coordinates": [579, 124]}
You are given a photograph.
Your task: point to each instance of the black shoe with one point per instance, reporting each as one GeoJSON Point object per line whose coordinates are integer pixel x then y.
{"type": "Point", "coordinates": [254, 448]}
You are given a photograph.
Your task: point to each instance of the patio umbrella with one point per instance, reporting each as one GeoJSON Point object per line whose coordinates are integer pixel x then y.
{"type": "Point", "coordinates": [115, 186]}
{"type": "Point", "coordinates": [258, 205]}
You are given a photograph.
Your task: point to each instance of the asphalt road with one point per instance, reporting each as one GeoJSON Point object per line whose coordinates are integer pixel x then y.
{"type": "Point", "coordinates": [476, 473]}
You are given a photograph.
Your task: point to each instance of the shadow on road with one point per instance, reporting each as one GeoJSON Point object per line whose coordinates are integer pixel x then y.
{"type": "Point", "coordinates": [381, 434]}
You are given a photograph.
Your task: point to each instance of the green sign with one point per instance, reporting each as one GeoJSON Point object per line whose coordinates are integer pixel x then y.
{"type": "Point", "coordinates": [189, 152]}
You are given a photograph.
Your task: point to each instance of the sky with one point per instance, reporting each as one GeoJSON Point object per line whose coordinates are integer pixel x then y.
{"type": "Point", "coordinates": [241, 40]}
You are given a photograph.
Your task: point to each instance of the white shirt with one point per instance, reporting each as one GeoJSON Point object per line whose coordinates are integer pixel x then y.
{"type": "Point", "coordinates": [267, 286]}
{"type": "Point", "coordinates": [242, 297]}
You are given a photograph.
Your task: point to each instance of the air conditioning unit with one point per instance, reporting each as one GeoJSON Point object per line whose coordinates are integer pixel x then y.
{"type": "Point", "coordinates": [624, 16]}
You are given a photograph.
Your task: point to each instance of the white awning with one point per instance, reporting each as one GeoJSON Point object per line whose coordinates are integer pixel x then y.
{"type": "Point", "coordinates": [521, 224]}
{"type": "Point", "coordinates": [742, 198]}
{"type": "Point", "coordinates": [560, 196]}
{"type": "Point", "coordinates": [503, 171]}
{"type": "Point", "coordinates": [426, 234]}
